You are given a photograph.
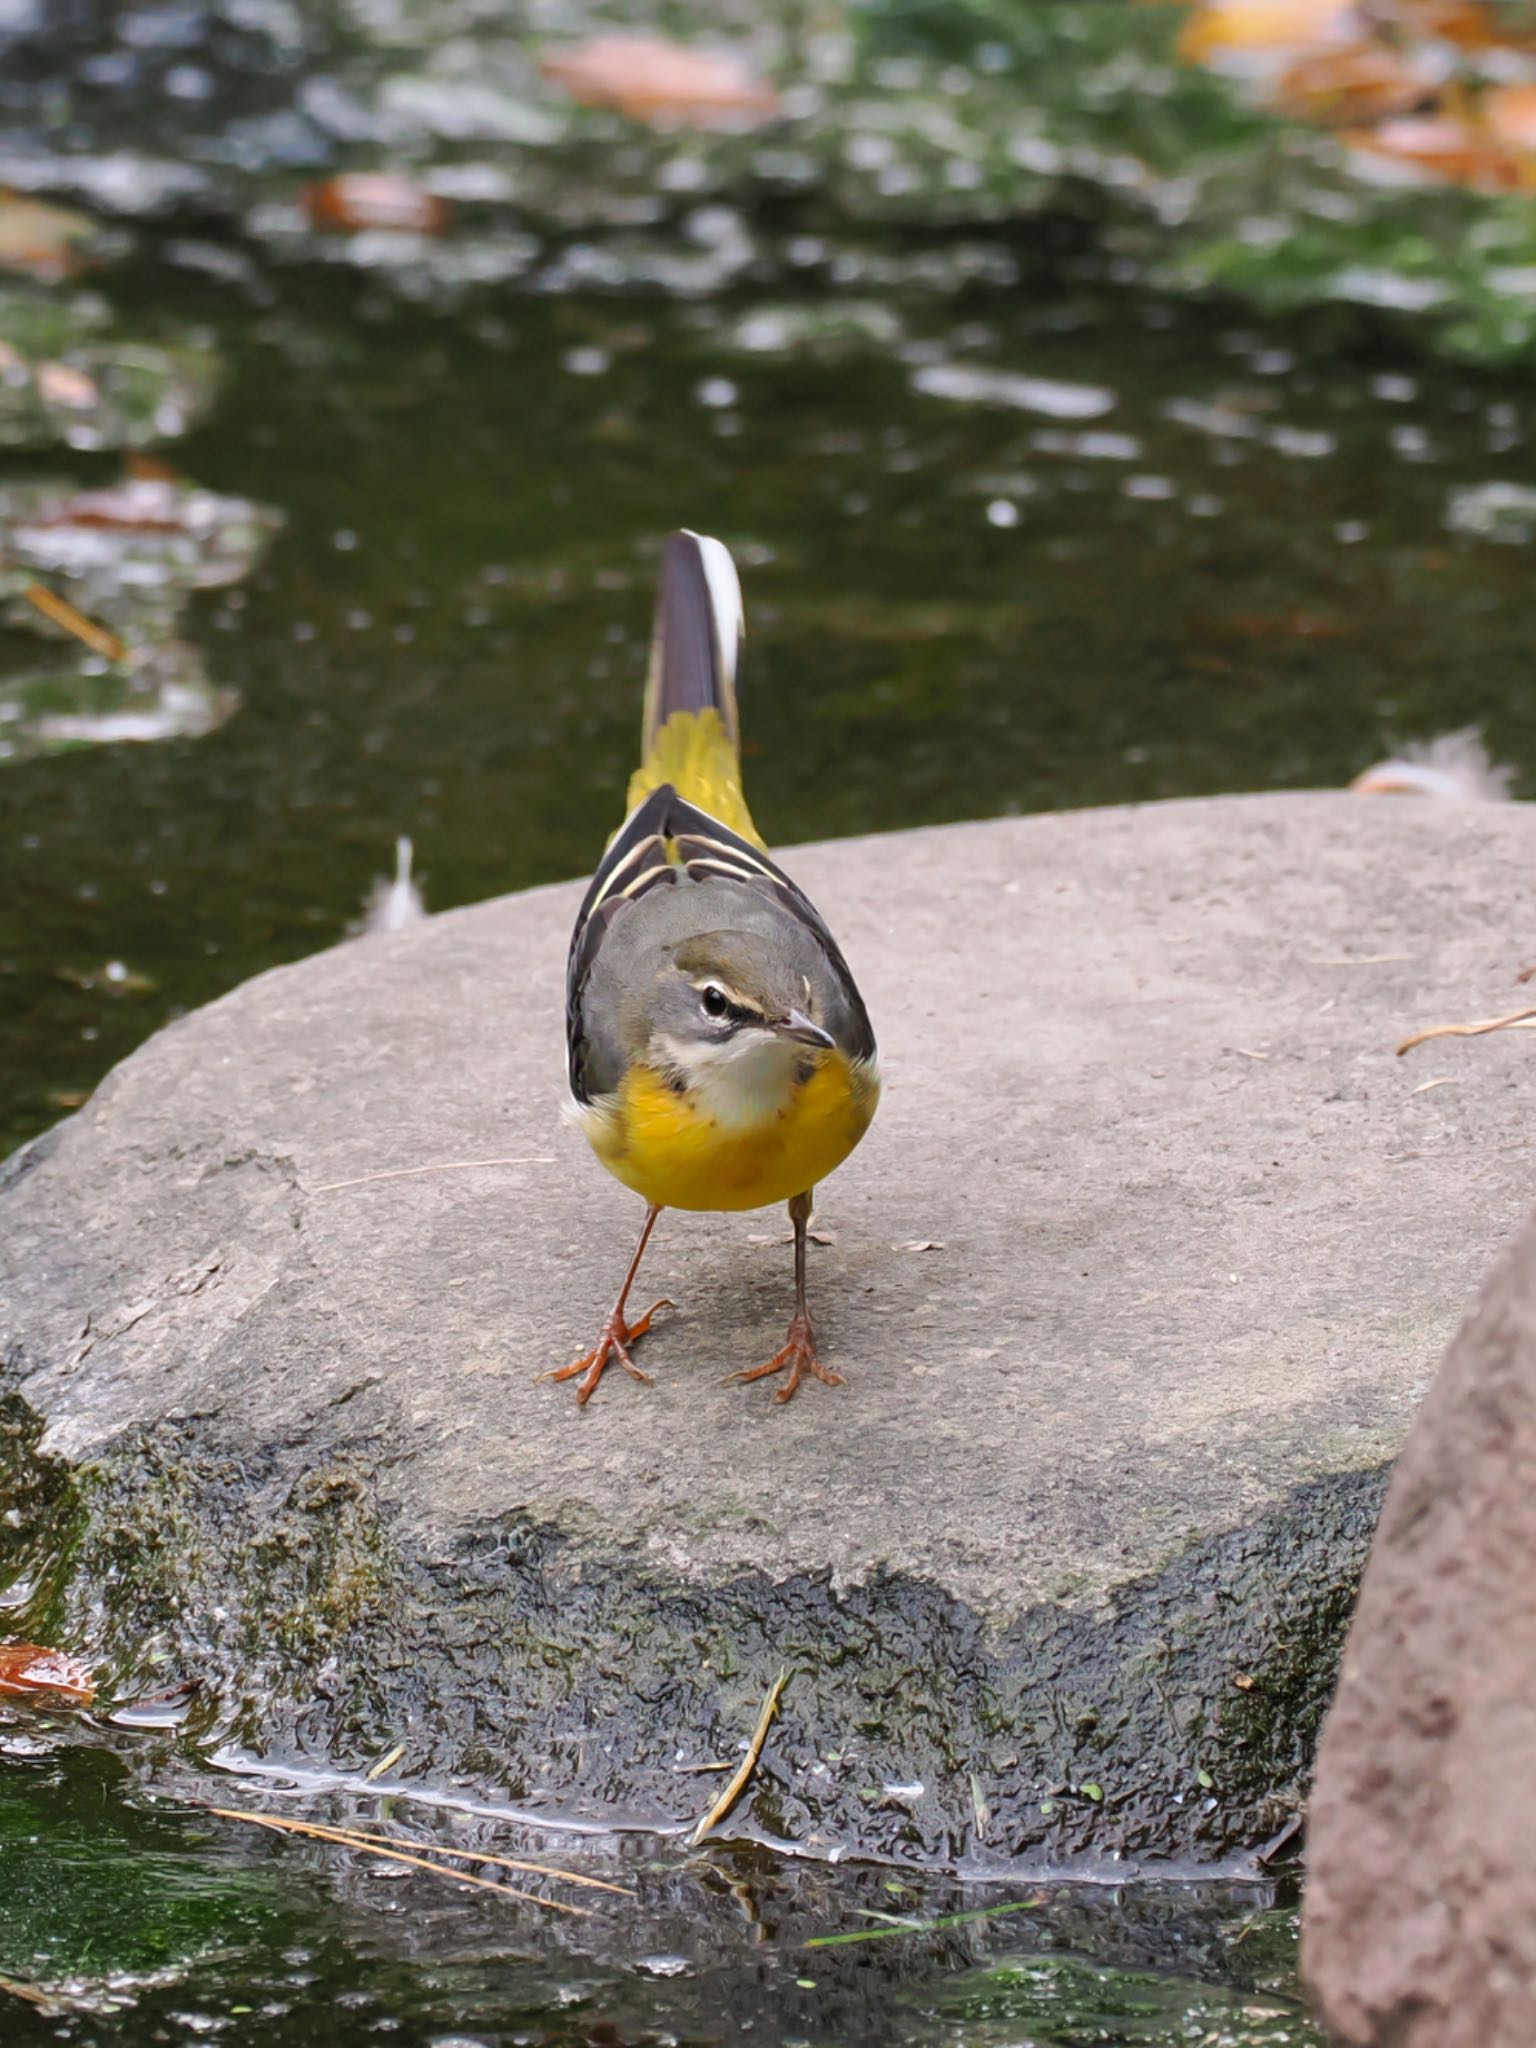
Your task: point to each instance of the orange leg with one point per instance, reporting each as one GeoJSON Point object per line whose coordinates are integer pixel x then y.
{"type": "Point", "coordinates": [797, 1354]}
{"type": "Point", "coordinates": [616, 1335]}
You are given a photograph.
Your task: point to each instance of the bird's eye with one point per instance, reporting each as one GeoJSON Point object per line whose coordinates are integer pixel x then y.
{"type": "Point", "coordinates": [714, 1001]}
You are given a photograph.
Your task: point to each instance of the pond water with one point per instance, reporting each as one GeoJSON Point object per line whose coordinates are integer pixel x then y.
{"type": "Point", "coordinates": [150, 1919]}
{"type": "Point", "coordinates": [1018, 531]}
{"type": "Point", "coordinates": [1241, 569]}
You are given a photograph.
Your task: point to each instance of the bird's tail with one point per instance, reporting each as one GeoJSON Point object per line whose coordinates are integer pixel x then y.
{"type": "Point", "coordinates": [691, 736]}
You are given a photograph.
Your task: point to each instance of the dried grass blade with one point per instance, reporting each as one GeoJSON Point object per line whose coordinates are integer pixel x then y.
{"type": "Point", "coordinates": [596, 1884]}
{"type": "Point", "coordinates": [1514, 1020]}
{"type": "Point", "coordinates": [33, 1994]}
{"type": "Point", "coordinates": [63, 614]}
{"type": "Point", "coordinates": [363, 1180]}
{"type": "Point", "coordinates": [347, 1838]}
{"type": "Point", "coordinates": [738, 1784]}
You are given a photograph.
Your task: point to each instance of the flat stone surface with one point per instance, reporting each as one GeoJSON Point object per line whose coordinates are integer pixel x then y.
{"type": "Point", "coordinates": [1195, 1236]}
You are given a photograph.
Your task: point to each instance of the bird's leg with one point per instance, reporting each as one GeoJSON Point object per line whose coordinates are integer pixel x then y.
{"type": "Point", "coordinates": [616, 1335]}
{"type": "Point", "coordinates": [797, 1354]}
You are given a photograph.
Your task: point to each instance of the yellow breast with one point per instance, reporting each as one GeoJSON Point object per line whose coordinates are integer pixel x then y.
{"type": "Point", "coordinates": [666, 1147]}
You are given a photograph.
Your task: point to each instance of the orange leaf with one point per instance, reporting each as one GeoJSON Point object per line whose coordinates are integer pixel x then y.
{"type": "Point", "coordinates": [1355, 82]}
{"type": "Point", "coordinates": [652, 80]}
{"type": "Point", "coordinates": [1444, 148]}
{"type": "Point", "coordinates": [28, 1668]}
{"type": "Point", "coordinates": [1509, 115]}
{"type": "Point", "coordinates": [1228, 25]}
{"type": "Point", "coordinates": [375, 199]}
{"type": "Point", "coordinates": [1466, 22]}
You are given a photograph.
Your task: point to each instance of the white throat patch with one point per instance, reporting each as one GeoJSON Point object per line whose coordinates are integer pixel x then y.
{"type": "Point", "coordinates": [742, 1084]}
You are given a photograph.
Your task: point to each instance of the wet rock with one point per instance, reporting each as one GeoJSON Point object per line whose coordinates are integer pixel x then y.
{"type": "Point", "coordinates": [1421, 1916]}
{"type": "Point", "coordinates": [1135, 1283]}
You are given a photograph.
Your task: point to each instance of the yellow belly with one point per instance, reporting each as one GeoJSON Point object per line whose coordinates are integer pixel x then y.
{"type": "Point", "coordinates": [662, 1145]}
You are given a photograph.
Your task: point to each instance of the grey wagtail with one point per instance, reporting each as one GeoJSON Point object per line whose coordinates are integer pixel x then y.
{"type": "Point", "coordinates": [719, 1054]}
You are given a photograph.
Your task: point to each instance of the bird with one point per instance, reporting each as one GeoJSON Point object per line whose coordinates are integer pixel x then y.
{"type": "Point", "coordinates": [719, 1054]}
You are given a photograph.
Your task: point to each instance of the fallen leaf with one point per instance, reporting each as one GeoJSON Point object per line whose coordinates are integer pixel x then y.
{"type": "Point", "coordinates": [919, 1244]}
{"type": "Point", "coordinates": [1440, 146]}
{"type": "Point", "coordinates": [58, 384]}
{"type": "Point", "coordinates": [355, 200]}
{"type": "Point", "coordinates": [30, 1668]}
{"type": "Point", "coordinates": [142, 468]}
{"type": "Point", "coordinates": [1233, 25]}
{"type": "Point", "coordinates": [141, 504]}
{"type": "Point", "coordinates": [1509, 115]}
{"type": "Point", "coordinates": [1468, 23]}
{"type": "Point", "coordinates": [653, 80]}
{"type": "Point", "coordinates": [1356, 82]}
{"type": "Point", "coordinates": [1243, 1681]}
{"type": "Point", "coordinates": [39, 238]}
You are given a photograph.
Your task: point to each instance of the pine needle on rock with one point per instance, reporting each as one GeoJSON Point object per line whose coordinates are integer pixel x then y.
{"type": "Point", "coordinates": [738, 1784]}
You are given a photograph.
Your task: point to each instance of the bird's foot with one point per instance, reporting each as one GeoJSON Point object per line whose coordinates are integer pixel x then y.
{"type": "Point", "coordinates": [616, 1338]}
{"type": "Point", "coordinates": [797, 1356]}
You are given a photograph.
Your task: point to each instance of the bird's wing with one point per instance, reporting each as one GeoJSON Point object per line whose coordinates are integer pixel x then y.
{"type": "Point", "coordinates": [662, 840]}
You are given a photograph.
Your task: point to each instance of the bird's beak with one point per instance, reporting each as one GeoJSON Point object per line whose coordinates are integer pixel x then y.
{"type": "Point", "coordinates": [798, 1027]}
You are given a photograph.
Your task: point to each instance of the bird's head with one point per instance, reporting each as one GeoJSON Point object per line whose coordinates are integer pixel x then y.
{"type": "Point", "coordinates": [739, 1015]}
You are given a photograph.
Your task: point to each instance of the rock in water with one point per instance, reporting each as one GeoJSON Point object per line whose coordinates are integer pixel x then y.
{"type": "Point", "coordinates": [1421, 1913]}
{"type": "Point", "coordinates": [1135, 1283]}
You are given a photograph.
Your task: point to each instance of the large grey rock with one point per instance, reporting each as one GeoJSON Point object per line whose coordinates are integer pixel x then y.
{"type": "Point", "coordinates": [1076, 1542]}
{"type": "Point", "coordinates": [1421, 1914]}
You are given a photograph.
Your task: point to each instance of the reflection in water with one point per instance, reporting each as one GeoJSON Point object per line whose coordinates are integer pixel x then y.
{"type": "Point", "coordinates": [125, 1900]}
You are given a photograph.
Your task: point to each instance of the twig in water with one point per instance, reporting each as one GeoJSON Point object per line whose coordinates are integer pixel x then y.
{"type": "Point", "coordinates": [927, 1926]}
{"type": "Point", "coordinates": [738, 1784]}
{"type": "Point", "coordinates": [393, 1851]}
{"type": "Point", "coordinates": [63, 614]}
{"type": "Point", "coordinates": [329, 1187]}
{"type": "Point", "coordinates": [390, 1756]}
{"type": "Point", "coordinates": [33, 1994]}
{"type": "Point", "coordinates": [596, 1884]}
{"type": "Point", "coordinates": [1516, 1020]}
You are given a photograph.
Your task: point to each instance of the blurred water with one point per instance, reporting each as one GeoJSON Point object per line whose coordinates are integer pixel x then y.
{"type": "Point", "coordinates": [1251, 567]}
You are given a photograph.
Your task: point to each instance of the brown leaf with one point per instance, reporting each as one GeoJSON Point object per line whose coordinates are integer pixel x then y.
{"type": "Point", "coordinates": [141, 504]}
{"type": "Point", "coordinates": [1358, 82]}
{"type": "Point", "coordinates": [39, 238]}
{"type": "Point", "coordinates": [354, 200]}
{"type": "Point", "coordinates": [656, 81]}
{"type": "Point", "coordinates": [27, 1669]}
{"type": "Point", "coordinates": [1443, 147]}
{"type": "Point", "coordinates": [1243, 1681]}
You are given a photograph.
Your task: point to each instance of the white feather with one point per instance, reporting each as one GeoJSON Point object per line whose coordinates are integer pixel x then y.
{"type": "Point", "coordinates": [725, 600]}
{"type": "Point", "coordinates": [393, 906]}
{"type": "Point", "coordinates": [1456, 767]}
